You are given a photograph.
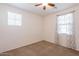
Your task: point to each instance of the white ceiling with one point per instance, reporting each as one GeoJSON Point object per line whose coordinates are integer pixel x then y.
{"type": "Point", "coordinates": [30, 7]}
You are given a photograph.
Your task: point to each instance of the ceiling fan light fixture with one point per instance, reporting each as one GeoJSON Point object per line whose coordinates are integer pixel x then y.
{"type": "Point", "coordinates": [44, 4]}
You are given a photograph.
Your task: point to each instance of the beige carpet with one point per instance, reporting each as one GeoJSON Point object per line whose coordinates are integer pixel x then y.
{"type": "Point", "coordinates": [42, 48]}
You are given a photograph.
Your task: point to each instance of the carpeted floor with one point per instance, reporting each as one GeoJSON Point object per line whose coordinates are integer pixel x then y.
{"type": "Point", "coordinates": [42, 48]}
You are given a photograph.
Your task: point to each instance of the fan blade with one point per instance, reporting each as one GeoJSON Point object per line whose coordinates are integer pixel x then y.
{"type": "Point", "coordinates": [44, 7]}
{"type": "Point", "coordinates": [50, 4]}
{"type": "Point", "coordinates": [38, 4]}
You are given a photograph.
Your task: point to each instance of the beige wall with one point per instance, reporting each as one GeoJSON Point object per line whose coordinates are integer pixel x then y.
{"type": "Point", "coordinates": [50, 25]}
{"type": "Point", "coordinates": [12, 37]}
{"type": "Point", "coordinates": [34, 28]}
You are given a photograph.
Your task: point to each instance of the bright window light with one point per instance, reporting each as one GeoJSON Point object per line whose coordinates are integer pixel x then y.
{"type": "Point", "coordinates": [14, 19]}
{"type": "Point", "coordinates": [65, 24]}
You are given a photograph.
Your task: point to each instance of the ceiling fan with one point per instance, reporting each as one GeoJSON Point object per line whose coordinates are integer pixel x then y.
{"type": "Point", "coordinates": [44, 5]}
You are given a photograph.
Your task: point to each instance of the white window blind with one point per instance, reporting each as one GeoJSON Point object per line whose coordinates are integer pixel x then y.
{"type": "Point", "coordinates": [14, 19]}
{"type": "Point", "coordinates": [65, 24]}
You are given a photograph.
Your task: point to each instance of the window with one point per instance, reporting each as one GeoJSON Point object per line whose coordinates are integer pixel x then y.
{"type": "Point", "coordinates": [14, 19]}
{"type": "Point", "coordinates": [65, 24]}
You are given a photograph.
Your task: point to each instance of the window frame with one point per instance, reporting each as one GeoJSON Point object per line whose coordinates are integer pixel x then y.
{"type": "Point", "coordinates": [64, 24]}
{"type": "Point", "coordinates": [14, 19]}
